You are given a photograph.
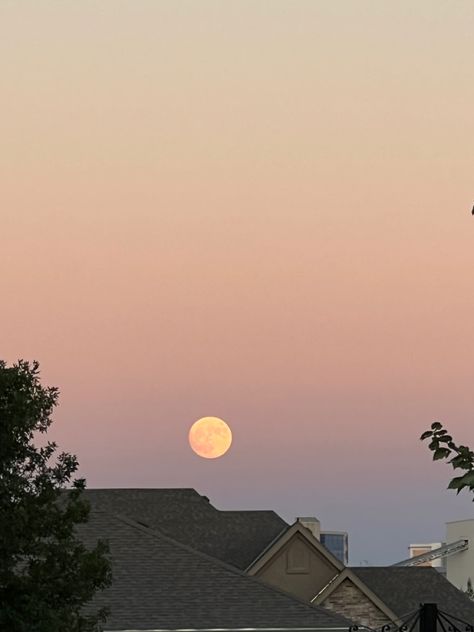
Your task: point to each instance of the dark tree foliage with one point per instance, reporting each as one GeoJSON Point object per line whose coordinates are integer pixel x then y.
{"type": "Point", "coordinates": [459, 456]}
{"type": "Point", "coordinates": [46, 573]}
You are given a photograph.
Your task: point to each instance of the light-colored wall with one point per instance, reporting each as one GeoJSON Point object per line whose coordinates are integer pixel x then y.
{"type": "Point", "coordinates": [419, 549]}
{"type": "Point", "coordinates": [460, 566]}
{"type": "Point", "coordinates": [298, 569]}
{"type": "Point", "coordinates": [350, 602]}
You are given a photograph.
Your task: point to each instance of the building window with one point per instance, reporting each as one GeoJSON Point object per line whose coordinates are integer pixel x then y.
{"type": "Point", "coordinates": [337, 544]}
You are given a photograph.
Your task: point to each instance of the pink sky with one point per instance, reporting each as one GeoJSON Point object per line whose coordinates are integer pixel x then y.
{"type": "Point", "coordinates": [255, 210]}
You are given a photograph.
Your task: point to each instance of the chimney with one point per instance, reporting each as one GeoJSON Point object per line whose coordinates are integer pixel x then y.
{"type": "Point", "coordinates": [312, 524]}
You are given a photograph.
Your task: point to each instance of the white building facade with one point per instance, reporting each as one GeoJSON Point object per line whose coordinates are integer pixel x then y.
{"type": "Point", "coordinates": [460, 566]}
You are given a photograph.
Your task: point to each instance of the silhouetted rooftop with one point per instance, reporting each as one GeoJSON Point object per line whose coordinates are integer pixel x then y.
{"type": "Point", "coordinates": [235, 537]}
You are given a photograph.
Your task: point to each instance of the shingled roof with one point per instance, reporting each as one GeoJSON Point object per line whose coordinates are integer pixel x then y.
{"type": "Point", "coordinates": [402, 589]}
{"type": "Point", "coordinates": [235, 537]}
{"type": "Point", "coordinates": [160, 584]}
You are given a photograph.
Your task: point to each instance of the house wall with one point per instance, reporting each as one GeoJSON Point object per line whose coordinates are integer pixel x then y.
{"type": "Point", "coordinates": [350, 602]}
{"type": "Point", "coordinates": [298, 569]}
{"type": "Point", "coordinates": [460, 566]}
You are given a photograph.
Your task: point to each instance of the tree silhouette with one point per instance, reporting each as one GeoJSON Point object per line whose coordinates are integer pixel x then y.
{"type": "Point", "coordinates": [46, 573]}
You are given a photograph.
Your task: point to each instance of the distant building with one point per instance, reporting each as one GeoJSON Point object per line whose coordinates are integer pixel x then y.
{"type": "Point", "coordinates": [453, 558]}
{"type": "Point", "coordinates": [421, 549]}
{"type": "Point", "coordinates": [460, 566]}
{"type": "Point", "coordinates": [338, 543]}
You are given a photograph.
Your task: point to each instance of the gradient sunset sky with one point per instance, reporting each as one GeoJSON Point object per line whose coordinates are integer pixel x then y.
{"type": "Point", "coordinates": [258, 210]}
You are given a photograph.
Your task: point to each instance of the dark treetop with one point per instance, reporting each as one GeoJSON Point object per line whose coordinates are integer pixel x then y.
{"type": "Point", "coordinates": [46, 573]}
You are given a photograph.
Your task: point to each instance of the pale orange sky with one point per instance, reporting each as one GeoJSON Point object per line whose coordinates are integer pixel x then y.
{"type": "Point", "coordinates": [258, 210]}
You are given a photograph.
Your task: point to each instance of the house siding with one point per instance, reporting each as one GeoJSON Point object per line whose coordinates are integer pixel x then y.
{"type": "Point", "coordinates": [350, 602]}
{"type": "Point", "coordinates": [298, 569]}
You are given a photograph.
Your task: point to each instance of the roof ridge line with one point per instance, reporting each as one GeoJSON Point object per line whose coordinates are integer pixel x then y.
{"type": "Point", "coordinates": [157, 533]}
{"type": "Point", "coordinates": [137, 489]}
{"type": "Point", "coordinates": [240, 511]}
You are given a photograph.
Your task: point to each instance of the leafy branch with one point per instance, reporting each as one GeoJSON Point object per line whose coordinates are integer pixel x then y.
{"type": "Point", "coordinates": [461, 457]}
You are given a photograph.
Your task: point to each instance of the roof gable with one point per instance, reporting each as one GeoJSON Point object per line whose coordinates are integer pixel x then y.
{"type": "Point", "coordinates": [397, 590]}
{"type": "Point", "coordinates": [283, 539]}
{"type": "Point", "coordinates": [348, 575]}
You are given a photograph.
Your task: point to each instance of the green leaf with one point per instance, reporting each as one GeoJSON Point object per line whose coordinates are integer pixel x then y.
{"type": "Point", "coordinates": [425, 435]}
{"type": "Point", "coordinates": [460, 482]}
{"type": "Point", "coordinates": [468, 479]}
{"type": "Point", "coordinates": [456, 483]}
{"type": "Point", "coordinates": [446, 439]}
{"type": "Point", "coordinates": [460, 462]}
{"type": "Point", "coordinates": [436, 425]}
{"type": "Point", "coordinates": [441, 453]}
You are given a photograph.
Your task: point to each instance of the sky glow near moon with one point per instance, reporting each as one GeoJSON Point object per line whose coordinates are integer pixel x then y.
{"type": "Point", "coordinates": [210, 437]}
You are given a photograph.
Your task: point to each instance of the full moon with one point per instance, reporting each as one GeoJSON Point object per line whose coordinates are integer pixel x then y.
{"type": "Point", "coordinates": [210, 437]}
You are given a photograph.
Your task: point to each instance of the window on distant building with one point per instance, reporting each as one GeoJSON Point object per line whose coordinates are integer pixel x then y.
{"type": "Point", "coordinates": [337, 543]}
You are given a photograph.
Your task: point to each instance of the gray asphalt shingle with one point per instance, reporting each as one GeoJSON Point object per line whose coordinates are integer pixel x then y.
{"type": "Point", "coordinates": [235, 537]}
{"type": "Point", "coordinates": [159, 583]}
{"type": "Point", "coordinates": [403, 589]}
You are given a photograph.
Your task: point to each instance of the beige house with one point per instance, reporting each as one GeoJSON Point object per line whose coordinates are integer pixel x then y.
{"type": "Point", "coordinates": [297, 563]}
